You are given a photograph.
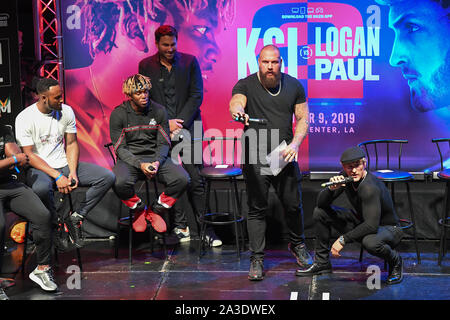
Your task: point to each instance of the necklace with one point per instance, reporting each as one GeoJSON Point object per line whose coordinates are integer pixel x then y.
{"type": "Point", "coordinates": [272, 94]}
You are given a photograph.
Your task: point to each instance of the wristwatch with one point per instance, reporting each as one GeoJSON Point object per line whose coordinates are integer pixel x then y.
{"type": "Point", "coordinates": [341, 240]}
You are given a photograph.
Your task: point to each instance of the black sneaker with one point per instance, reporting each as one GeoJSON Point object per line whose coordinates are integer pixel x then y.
{"type": "Point", "coordinates": [314, 270]}
{"type": "Point", "coordinates": [61, 240]}
{"type": "Point", "coordinates": [301, 254]}
{"type": "Point", "coordinates": [73, 224]}
{"type": "Point", "coordinates": [395, 271]}
{"type": "Point", "coordinates": [256, 272]}
{"type": "Point", "coordinates": [3, 295]}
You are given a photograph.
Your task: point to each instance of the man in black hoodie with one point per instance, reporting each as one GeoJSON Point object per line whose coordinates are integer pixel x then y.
{"type": "Point", "coordinates": [139, 131]}
{"type": "Point", "coordinates": [373, 221]}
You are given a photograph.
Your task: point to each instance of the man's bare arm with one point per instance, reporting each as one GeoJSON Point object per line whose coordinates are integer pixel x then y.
{"type": "Point", "coordinates": [237, 107]}
{"type": "Point", "coordinates": [302, 123]}
{"type": "Point", "coordinates": [301, 113]}
{"type": "Point", "coordinates": [72, 151]}
{"type": "Point", "coordinates": [73, 156]}
{"type": "Point", "coordinates": [62, 182]}
{"type": "Point", "coordinates": [38, 163]}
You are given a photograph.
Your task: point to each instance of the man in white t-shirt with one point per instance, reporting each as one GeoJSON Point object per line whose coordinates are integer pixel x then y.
{"type": "Point", "coordinates": [47, 133]}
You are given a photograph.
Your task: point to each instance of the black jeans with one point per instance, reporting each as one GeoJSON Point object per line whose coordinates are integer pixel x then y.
{"type": "Point", "coordinates": [195, 196]}
{"type": "Point", "coordinates": [173, 177]}
{"type": "Point", "coordinates": [380, 244]}
{"type": "Point", "coordinates": [24, 202]}
{"type": "Point", "coordinates": [287, 185]}
{"type": "Point", "coordinates": [195, 193]}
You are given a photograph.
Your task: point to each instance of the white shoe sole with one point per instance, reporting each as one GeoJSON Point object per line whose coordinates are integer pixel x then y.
{"type": "Point", "coordinates": [40, 283]}
{"type": "Point", "coordinates": [186, 239]}
{"type": "Point", "coordinates": [216, 243]}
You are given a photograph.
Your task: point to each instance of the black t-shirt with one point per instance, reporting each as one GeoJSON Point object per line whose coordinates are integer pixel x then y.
{"type": "Point", "coordinates": [277, 109]}
{"type": "Point", "coordinates": [6, 136]}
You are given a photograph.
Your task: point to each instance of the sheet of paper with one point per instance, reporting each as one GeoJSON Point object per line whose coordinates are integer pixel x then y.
{"type": "Point", "coordinates": [221, 166]}
{"type": "Point", "coordinates": [276, 160]}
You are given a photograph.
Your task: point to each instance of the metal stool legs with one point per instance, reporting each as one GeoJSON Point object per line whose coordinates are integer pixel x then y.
{"type": "Point", "coordinates": [25, 247]}
{"type": "Point", "coordinates": [236, 219]}
{"type": "Point", "coordinates": [410, 223]}
{"type": "Point", "coordinates": [130, 228]}
{"type": "Point", "coordinates": [202, 219]}
{"type": "Point", "coordinates": [238, 208]}
{"type": "Point", "coordinates": [411, 208]}
{"type": "Point", "coordinates": [444, 222]}
{"type": "Point", "coordinates": [77, 249]}
{"type": "Point", "coordinates": [152, 231]}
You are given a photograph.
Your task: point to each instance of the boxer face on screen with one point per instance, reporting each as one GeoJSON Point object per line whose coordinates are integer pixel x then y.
{"type": "Point", "coordinates": [197, 32]}
{"type": "Point", "coordinates": [355, 169]}
{"type": "Point", "coordinates": [422, 50]}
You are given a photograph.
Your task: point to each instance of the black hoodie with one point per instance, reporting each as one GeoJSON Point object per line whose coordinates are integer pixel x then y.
{"type": "Point", "coordinates": [139, 138]}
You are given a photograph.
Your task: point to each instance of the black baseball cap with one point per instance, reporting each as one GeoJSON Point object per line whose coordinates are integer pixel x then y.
{"type": "Point", "coordinates": [352, 154]}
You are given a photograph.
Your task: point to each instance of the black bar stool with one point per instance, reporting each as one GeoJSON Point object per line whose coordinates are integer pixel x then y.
{"type": "Point", "coordinates": [390, 176]}
{"type": "Point", "coordinates": [444, 221]}
{"type": "Point", "coordinates": [216, 170]}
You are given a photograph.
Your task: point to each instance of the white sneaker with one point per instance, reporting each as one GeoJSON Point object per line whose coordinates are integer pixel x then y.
{"type": "Point", "coordinates": [183, 236]}
{"type": "Point", "coordinates": [213, 241]}
{"type": "Point", "coordinates": [3, 295]}
{"type": "Point", "coordinates": [44, 278]}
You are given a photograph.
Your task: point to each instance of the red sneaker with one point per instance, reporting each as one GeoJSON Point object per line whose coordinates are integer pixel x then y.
{"type": "Point", "coordinates": [156, 220]}
{"type": "Point", "coordinates": [139, 223]}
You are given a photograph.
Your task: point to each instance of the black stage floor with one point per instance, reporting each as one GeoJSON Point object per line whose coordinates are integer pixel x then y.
{"type": "Point", "coordinates": [220, 275]}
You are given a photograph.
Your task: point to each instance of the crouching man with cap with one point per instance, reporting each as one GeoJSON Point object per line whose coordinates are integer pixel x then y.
{"type": "Point", "coordinates": [372, 221]}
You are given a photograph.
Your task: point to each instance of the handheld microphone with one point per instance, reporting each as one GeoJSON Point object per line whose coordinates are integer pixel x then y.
{"type": "Point", "coordinates": [330, 183]}
{"type": "Point", "coordinates": [254, 120]}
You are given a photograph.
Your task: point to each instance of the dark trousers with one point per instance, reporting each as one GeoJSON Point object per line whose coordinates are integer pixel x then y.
{"type": "Point", "coordinates": [380, 244]}
{"type": "Point", "coordinates": [24, 202]}
{"type": "Point", "coordinates": [173, 177]}
{"type": "Point", "coordinates": [287, 185]}
{"type": "Point", "coordinates": [97, 178]}
{"type": "Point", "coordinates": [195, 196]}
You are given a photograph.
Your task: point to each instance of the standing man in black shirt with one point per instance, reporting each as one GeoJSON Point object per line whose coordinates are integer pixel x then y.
{"type": "Point", "coordinates": [20, 199]}
{"type": "Point", "coordinates": [140, 134]}
{"type": "Point", "coordinates": [275, 96]}
{"type": "Point", "coordinates": [178, 85]}
{"type": "Point", "coordinates": [373, 222]}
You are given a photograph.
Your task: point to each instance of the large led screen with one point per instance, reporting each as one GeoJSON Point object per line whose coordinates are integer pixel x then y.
{"type": "Point", "coordinates": [370, 71]}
